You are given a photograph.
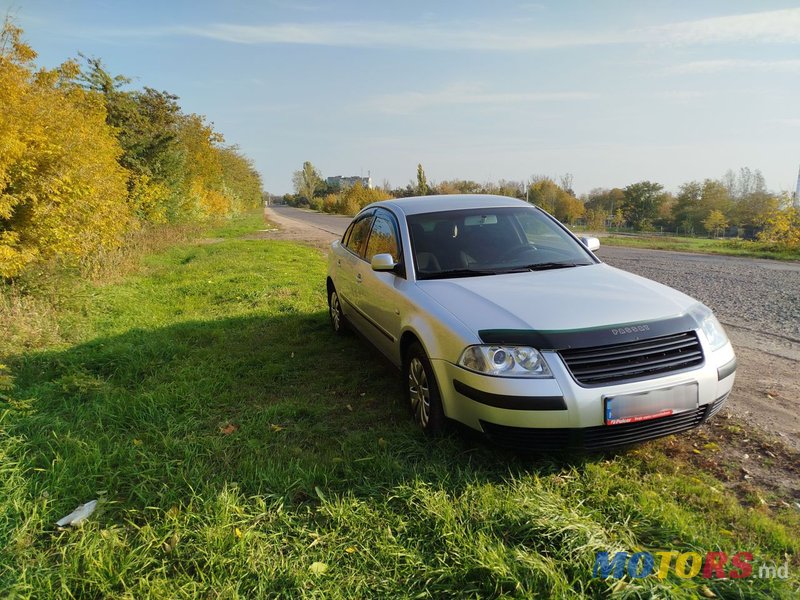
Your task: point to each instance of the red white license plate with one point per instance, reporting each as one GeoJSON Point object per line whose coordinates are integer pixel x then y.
{"type": "Point", "coordinates": [643, 406]}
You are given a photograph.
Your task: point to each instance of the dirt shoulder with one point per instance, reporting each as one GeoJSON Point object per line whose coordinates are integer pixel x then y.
{"type": "Point", "coordinates": [293, 230]}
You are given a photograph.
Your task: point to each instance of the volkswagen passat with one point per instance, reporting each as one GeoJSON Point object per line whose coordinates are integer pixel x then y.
{"type": "Point", "coordinates": [500, 318]}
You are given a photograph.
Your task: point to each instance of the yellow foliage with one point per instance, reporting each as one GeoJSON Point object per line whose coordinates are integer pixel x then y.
{"type": "Point", "coordinates": [357, 197]}
{"type": "Point", "coordinates": [783, 229]}
{"type": "Point", "coordinates": [148, 199]}
{"type": "Point", "coordinates": [62, 191]}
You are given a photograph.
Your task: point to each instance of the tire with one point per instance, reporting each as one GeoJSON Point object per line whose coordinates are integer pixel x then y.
{"type": "Point", "coordinates": [338, 320]}
{"type": "Point", "coordinates": [422, 391]}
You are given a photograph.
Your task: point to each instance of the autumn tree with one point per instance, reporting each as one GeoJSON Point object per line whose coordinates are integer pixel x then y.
{"type": "Point", "coordinates": [357, 197]}
{"type": "Point", "coordinates": [695, 202]}
{"type": "Point", "coordinates": [306, 181]}
{"type": "Point", "coordinates": [202, 175]}
{"type": "Point", "coordinates": [146, 124]}
{"type": "Point", "coordinates": [605, 199]}
{"type": "Point", "coordinates": [715, 222]}
{"type": "Point", "coordinates": [240, 179]}
{"type": "Point", "coordinates": [783, 229]}
{"type": "Point", "coordinates": [459, 186]}
{"type": "Point", "coordinates": [545, 193]}
{"type": "Point", "coordinates": [62, 190]}
{"type": "Point", "coordinates": [595, 219]}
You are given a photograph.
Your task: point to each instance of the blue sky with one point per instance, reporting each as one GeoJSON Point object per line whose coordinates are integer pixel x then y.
{"type": "Point", "coordinates": [613, 92]}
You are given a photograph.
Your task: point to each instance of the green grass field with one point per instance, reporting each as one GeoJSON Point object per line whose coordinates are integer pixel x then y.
{"type": "Point", "coordinates": [730, 247]}
{"type": "Point", "coordinates": [240, 450]}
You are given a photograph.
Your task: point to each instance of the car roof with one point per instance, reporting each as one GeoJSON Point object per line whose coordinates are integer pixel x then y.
{"type": "Point", "coordinates": [430, 204]}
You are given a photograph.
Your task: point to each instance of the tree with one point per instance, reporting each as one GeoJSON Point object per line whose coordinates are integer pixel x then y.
{"type": "Point", "coordinates": [459, 186]}
{"type": "Point", "coordinates": [618, 220]}
{"type": "Point", "coordinates": [422, 181]}
{"type": "Point", "coordinates": [595, 219]}
{"type": "Point", "coordinates": [62, 190]}
{"type": "Point", "coordinates": [240, 179]}
{"type": "Point", "coordinates": [357, 197]}
{"type": "Point", "coordinates": [783, 228]}
{"type": "Point", "coordinates": [641, 203]}
{"type": "Point", "coordinates": [715, 222]}
{"type": "Point", "coordinates": [306, 181]}
{"type": "Point", "coordinates": [566, 182]}
{"type": "Point", "coordinates": [607, 200]}
{"type": "Point", "coordinates": [544, 193]}
{"type": "Point", "coordinates": [555, 200]}
{"type": "Point", "coordinates": [202, 174]}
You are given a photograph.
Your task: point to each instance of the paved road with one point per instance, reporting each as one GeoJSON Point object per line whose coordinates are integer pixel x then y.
{"type": "Point", "coordinates": [335, 224]}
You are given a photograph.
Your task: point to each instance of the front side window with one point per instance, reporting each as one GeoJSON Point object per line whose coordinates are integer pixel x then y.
{"type": "Point", "coordinates": [383, 239]}
{"type": "Point", "coordinates": [358, 235]}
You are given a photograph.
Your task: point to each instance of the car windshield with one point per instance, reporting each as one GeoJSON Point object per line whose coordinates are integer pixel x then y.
{"type": "Point", "coordinates": [474, 242]}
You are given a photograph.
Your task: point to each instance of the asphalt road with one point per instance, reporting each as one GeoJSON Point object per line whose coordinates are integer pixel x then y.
{"type": "Point", "coordinates": [335, 224]}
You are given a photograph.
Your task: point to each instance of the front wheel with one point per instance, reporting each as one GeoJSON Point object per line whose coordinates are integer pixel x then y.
{"type": "Point", "coordinates": [422, 391]}
{"type": "Point", "coordinates": [338, 322]}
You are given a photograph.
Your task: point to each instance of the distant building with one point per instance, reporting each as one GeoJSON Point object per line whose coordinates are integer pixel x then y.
{"type": "Point", "coordinates": [339, 182]}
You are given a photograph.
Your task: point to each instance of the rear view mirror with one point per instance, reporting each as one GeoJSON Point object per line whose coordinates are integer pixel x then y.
{"type": "Point", "coordinates": [383, 262]}
{"type": "Point", "coordinates": [592, 243]}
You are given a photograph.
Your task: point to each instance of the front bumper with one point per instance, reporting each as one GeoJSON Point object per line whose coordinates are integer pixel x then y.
{"type": "Point", "coordinates": [559, 413]}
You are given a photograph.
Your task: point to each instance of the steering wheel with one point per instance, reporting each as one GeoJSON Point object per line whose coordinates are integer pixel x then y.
{"type": "Point", "coordinates": [516, 251]}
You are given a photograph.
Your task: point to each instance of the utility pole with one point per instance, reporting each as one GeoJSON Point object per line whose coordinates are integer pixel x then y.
{"type": "Point", "coordinates": [797, 191]}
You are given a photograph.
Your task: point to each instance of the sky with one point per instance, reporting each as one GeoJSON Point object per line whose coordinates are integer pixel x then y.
{"type": "Point", "coordinates": [613, 91]}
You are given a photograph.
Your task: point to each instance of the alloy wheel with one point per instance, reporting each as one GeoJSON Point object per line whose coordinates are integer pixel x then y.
{"type": "Point", "coordinates": [419, 392]}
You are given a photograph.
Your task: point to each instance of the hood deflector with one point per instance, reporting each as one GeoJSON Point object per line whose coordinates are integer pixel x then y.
{"type": "Point", "coordinates": [589, 338]}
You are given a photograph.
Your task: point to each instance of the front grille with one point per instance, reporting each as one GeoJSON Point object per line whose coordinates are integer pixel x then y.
{"type": "Point", "coordinates": [601, 436]}
{"type": "Point", "coordinates": [592, 438]}
{"type": "Point", "coordinates": [634, 360]}
{"type": "Point", "coordinates": [717, 405]}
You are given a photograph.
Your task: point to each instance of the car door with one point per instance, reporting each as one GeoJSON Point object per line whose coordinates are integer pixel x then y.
{"type": "Point", "coordinates": [350, 264]}
{"type": "Point", "coordinates": [381, 291]}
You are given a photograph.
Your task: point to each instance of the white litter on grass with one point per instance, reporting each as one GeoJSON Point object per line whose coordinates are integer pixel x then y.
{"type": "Point", "coordinates": [79, 515]}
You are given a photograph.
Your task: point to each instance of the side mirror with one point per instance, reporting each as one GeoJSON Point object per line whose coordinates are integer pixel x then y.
{"type": "Point", "coordinates": [383, 262]}
{"type": "Point", "coordinates": [592, 243]}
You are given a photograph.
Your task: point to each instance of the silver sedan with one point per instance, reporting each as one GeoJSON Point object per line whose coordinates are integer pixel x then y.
{"type": "Point", "coordinates": [501, 319]}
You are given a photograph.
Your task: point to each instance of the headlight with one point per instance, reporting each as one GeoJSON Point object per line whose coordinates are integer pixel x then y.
{"type": "Point", "coordinates": [712, 328]}
{"type": "Point", "coordinates": [505, 361]}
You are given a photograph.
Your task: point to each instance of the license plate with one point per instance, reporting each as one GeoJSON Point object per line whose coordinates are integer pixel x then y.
{"type": "Point", "coordinates": [642, 406]}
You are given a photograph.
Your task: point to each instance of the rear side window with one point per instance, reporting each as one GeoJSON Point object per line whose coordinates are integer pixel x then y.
{"type": "Point", "coordinates": [383, 239]}
{"type": "Point", "coordinates": [347, 234]}
{"type": "Point", "coordinates": [358, 235]}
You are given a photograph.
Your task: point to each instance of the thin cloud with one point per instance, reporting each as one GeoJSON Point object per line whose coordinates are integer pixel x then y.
{"type": "Point", "coordinates": [716, 66]}
{"type": "Point", "coordinates": [777, 26]}
{"type": "Point", "coordinates": [376, 34]}
{"type": "Point", "coordinates": [681, 95]}
{"type": "Point", "coordinates": [780, 26]}
{"type": "Point", "coordinates": [465, 95]}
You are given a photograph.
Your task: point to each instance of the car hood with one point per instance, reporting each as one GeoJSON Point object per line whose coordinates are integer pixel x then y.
{"type": "Point", "coordinates": [557, 300]}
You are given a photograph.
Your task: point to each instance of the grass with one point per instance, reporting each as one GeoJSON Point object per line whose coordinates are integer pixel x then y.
{"type": "Point", "coordinates": [730, 247]}
{"type": "Point", "coordinates": [240, 450]}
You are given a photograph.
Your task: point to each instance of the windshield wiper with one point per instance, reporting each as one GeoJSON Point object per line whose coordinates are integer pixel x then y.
{"type": "Point", "coordinates": [546, 266]}
{"type": "Point", "coordinates": [456, 273]}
